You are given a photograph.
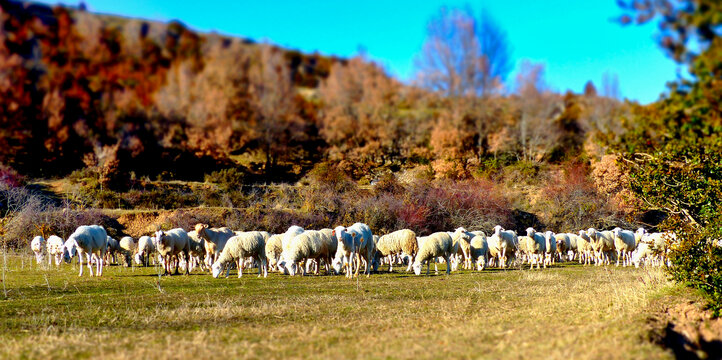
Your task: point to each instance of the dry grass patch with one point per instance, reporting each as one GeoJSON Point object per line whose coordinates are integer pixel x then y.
{"type": "Point", "coordinates": [562, 312]}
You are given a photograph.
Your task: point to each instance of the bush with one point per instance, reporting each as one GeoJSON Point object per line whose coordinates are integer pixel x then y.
{"type": "Point", "coordinates": [696, 259]}
{"type": "Point", "coordinates": [226, 179]}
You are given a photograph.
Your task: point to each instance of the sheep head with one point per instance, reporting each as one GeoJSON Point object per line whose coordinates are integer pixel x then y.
{"type": "Point", "coordinates": [216, 269]}
{"type": "Point", "coordinates": [69, 250]}
{"type": "Point", "coordinates": [417, 268]}
{"type": "Point", "coordinates": [530, 232]}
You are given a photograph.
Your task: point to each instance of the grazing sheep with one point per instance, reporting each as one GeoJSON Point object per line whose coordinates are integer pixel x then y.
{"type": "Point", "coordinates": [355, 244]}
{"type": "Point", "coordinates": [239, 247]}
{"type": "Point", "coordinates": [503, 245]}
{"type": "Point", "coordinates": [69, 250]}
{"type": "Point", "coordinates": [479, 249]}
{"type": "Point", "coordinates": [602, 244]}
{"type": "Point", "coordinates": [644, 252]}
{"type": "Point", "coordinates": [172, 243]}
{"type": "Point", "coordinates": [38, 247]}
{"type": "Point", "coordinates": [309, 245]}
{"type": "Point", "coordinates": [197, 252]}
{"type": "Point", "coordinates": [624, 243]}
{"type": "Point", "coordinates": [127, 247]}
{"type": "Point", "coordinates": [435, 245]}
{"type": "Point", "coordinates": [397, 243]}
{"type": "Point", "coordinates": [54, 247]}
{"type": "Point", "coordinates": [91, 240]}
{"type": "Point", "coordinates": [214, 240]}
{"type": "Point", "coordinates": [146, 247]}
{"type": "Point", "coordinates": [113, 250]}
{"type": "Point", "coordinates": [274, 248]}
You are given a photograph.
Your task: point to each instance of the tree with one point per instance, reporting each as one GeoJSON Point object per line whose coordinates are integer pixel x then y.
{"type": "Point", "coordinates": [463, 56]}
{"type": "Point", "coordinates": [610, 85]}
{"type": "Point", "coordinates": [358, 116]}
{"type": "Point", "coordinates": [273, 96]}
{"type": "Point", "coordinates": [673, 152]}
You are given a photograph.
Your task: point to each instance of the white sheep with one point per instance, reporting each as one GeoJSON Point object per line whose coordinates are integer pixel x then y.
{"type": "Point", "coordinates": [91, 240]}
{"type": "Point", "coordinates": [127, 247]}
{"type": "Point", "coordinates": [565, 243]}
{"type": "Point", "coordinates": [38, 247]}
{"type": "Point", "coordinates": [584, 248]}
{"type": "Point", "coordinates": [197, 251]}
{"type": "Point", "coordinates": [479, 249]}
{"type": "Point", "coordinates": [146, 247]}
{"type": "Point", "coordinates": [397, 243]}
{"type": "Point", "coordinates": [237, 248]}
{"type": "Point", "coordinates": [503, 245]}
{"type": "Point", "coordinates": [113, 250]}
{"type": "Point", "coordinates": [435, 245]}
{"type": "Point", "coordinates": [214, 240]}
{"type": "Point", "coordinates": [172, 243]}
{"type": "Point", "coordinates": [551, 247]}
{"type": "Point", "coordinates": [355, 244]}
{"type": "Point", "coordinates": [462, 247]}
{"type": "Point", "coordinates": [624, 243]}
{"type": "Point", "coordinates": [311, 244]}
{"type": "Point", "coordinates": [602, 244]}
{"type": "Point", "coordinates": [535, 245]}
{"type": "Point", "coordinates": [54, 247]}
{"type": "Point", "coordinates": [274, 248]}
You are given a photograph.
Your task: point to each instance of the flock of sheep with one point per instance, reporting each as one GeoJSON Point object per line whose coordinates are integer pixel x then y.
{"type": "Point", "coordinates": [348, 249]}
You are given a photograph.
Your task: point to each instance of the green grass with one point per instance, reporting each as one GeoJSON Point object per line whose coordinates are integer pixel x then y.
{"type": "Point", "coordinates": [569, 311]}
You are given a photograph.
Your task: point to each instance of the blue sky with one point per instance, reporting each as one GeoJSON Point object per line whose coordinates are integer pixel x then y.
{"type": "Point", "coordinates": [576, 40]}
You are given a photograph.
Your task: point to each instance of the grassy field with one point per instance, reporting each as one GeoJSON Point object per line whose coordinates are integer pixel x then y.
{"type": "Point", "coordinates": [569, 311]}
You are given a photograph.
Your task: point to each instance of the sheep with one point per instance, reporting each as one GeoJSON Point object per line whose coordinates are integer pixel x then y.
{"type": "Point", "coordinates": [584, 248]}
{"type": "Point", "coordinates": [602, 244]}
{"type": "Point", "coordinates": [172, 243]}
{"type": "Point", "coordinates": [624, 243]}
{"type": "Point", "coordinates": [146, 247]}
{"type": "Point", "coordinates": [398, 242]}
{"type": "Point", "coordinates": [564, 244]}
{"type": "Point", "coordinates": [535, 245]}
{"type": "Point", "coordinates": [479, 249]}
{"type": "Point", "coordinates": [127, 247]}
{"type": "Point", "coordinates": [332, 244]}
{"type": "Point", "coordinates": [197, 251]}
{"type": "Point", "coordinates": [113, 249]}
{"type": "Point", "coordinates": [54, 247]}
{"type": "Point", "coordinates": [91, 240]}
{"type": "Point", "coordinates": [503, 245]}
{"type": "Point", "coordinates": [643, 252]}
{"type": "Point", "coordinates": [355, 243]}
{"type": "Point", "coordinates": [69, 251]}
{"type": "Point", "coordinates": [435, 245]}
{"type": "Point", "coordinates": [38, 247]}
{"type": "Point", "coordinates": [462, 239]}
{"type": "Point", "coordinates": [214, 240]}
{"type": "Point", "coordinates": [311, 244]}
{"type": "Point", "coordinates": [237, 248]}
{"type": "Point", "coordinates": [551, 247]}
{"type": "Point", "coordinates": [274, 248]}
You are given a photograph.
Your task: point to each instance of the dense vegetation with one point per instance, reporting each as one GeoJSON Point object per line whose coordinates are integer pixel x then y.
{"type": "Point", "coordinates": [674, 151]}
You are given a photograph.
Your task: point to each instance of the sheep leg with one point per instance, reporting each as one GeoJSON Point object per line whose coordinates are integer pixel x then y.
{"type": "Point", "coordinates": [241, 264]}
{"type": "Point", "coordinates": [448, 270]}
{"type": "Point", "coordinates": [80, 261]}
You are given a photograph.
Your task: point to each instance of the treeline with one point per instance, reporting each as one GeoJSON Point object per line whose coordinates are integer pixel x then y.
{"type": "Point", "coordinates": [130, 98]}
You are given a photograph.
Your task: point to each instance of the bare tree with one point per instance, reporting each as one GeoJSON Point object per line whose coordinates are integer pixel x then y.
{"type": "Point", "coordinates": [610, 85]}
{"type": "Point", "coordinates": [538, 106]}
{"type": "Point", "coordinates": [273, 96]}
{"type": "Point", "coordinates": [463, 56]}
